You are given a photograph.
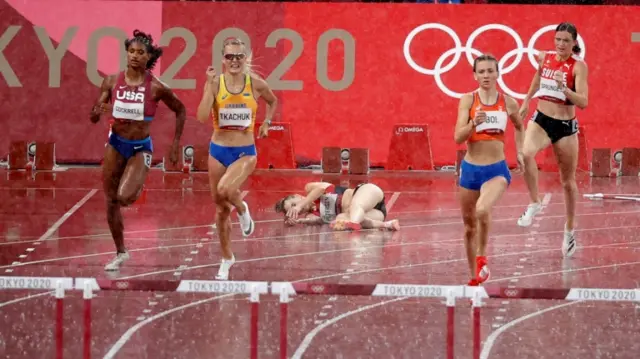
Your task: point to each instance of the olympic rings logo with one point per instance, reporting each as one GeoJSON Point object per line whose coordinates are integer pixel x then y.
{"type": "Point", "coordinates": [511, 293]}
{"type": "Point", "coordinates": [469, 50]}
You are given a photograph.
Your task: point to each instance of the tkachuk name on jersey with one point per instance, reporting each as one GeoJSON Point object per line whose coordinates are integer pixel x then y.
{"type": "Point", "coordinates": [130, 96]}
{"type": "Point", "coordinates": [234, 116]}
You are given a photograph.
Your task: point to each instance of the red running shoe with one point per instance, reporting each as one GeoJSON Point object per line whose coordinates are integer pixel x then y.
{"type": "Point", "coordinates": [482, 269]}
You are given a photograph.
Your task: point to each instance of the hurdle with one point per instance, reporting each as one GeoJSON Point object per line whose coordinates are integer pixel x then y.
{"type": "Point", "coordinates": [288, 290]}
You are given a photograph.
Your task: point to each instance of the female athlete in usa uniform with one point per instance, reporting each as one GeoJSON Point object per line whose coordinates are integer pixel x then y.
{"type": "Point", "coordinates": [484, 174]}
{"type": "Point", "coordinates": [132, 98]}
{"type": "Point", "coordinates": [560, 84]}
{"type": "Point", "coordinates": [341, 207]}
{"type": "Point", "coordinates": [232, 99]}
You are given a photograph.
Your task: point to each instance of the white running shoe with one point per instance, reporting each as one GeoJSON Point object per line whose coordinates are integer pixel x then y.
{"type": "Point", "coordinates": [527, 217]}
{"type": "Point", "coordinates": [117, 261]}
{"type": "Point", "coordinates": [223, 272]}
{"type": "Point", "coordinates": [246, 222]}
{"type": "Point", "coordinates": [569, 245]}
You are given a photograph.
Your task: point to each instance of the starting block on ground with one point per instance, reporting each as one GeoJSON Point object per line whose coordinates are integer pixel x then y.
{"type": "Point", "coordinates": [40, 156]}
{"type": "Point", "coordinates": [601, 165]}
{"type": "Point", "coordinates": [18, 155]}
{"type": "Point", "coordinates": [331, 160]}
{"type": "Point", "coordinates": [276, 150]}
{"type": "Point", "coordinates": [630, 165]}
{"type": "Point", "coordinates": [410, 148]}
{"type": "Point", "coordinates": [359, 161]}
{"type": "Point", "coordinates": [200, 158]}
{"type": "Point", "coordinates": [625, 162]}
{"type": "Point", "coordinates": [45, 158]}
{"type": "Point", "coordinates": [338, 160]}
{"type": "Point", "coordinates": [180, 166]}
{"type": "Point", "coordinates": [190, 159]}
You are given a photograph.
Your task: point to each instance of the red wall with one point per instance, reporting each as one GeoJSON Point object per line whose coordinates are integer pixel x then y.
{"type": "Point", "coordinates": [385, 90]}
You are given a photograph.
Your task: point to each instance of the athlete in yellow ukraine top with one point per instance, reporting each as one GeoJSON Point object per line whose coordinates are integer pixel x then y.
{"type": "Point", "coordinates": [232, 100]}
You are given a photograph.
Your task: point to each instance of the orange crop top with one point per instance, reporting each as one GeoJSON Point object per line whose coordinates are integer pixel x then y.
{"type": "Point", "coordinates": [494, 126]}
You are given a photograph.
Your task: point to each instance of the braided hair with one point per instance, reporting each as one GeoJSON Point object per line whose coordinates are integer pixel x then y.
{"type": "Point", "coordinates": [145, 39]}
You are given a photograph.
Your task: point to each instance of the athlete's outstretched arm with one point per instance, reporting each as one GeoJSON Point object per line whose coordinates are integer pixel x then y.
{"type": "Point", "coordinates": [580, 97]}
{"type": "Point", "coordinates": [314, 191]}
{"type": "Point", "coordinates": [514, 116]}
{"type": "Point", "coordinates": [174, 104]}
{"type": "Point", "coordinates": [535, 83]}
{"type": "Point", "coordinates": [310, 219]}
{"type": "Point", "coordinates": [208, 96]}
{"type": "Point", "coordinates": [464, 127]}
{"type": "Point", "coordinates": [101, 106]}
{"type": "Point", "coordinates": [263, 89]}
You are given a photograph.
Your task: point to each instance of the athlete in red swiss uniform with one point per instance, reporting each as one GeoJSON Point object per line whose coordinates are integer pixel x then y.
{"type": "Point", "coordinates": [132, 98]}
{"type": "Point", "coordinates": [341, 207]}
{"type": "Point", "coordinates": [560, 84]}
{"type": "Point", "coordinates": [484, 175]}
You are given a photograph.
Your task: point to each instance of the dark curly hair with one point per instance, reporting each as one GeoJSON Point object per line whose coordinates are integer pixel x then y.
{"type": "Point", "coordinates": [145, 39]}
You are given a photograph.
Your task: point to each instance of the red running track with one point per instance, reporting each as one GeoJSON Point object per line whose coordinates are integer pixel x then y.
{"type": "Point", "coordinates": [170, 238]}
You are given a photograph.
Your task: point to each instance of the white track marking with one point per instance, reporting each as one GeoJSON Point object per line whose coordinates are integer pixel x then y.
{"type": "Point", "coordinates": [309, 337]}
{"type": "Point", "coordinates": [280, 220]}
{"type": "Point", "coordinates": [30, 296]}
{"type": "Point", "coordinates": [392, 201]}
{"type": "Point", "coordinates": [440, 242]}
{"type": "Point", "coordinates": [87, 236]}
{"type": "Point", "coordinates": [490, 340]}
{"type": "Point", "coordinates": [127, 335]}
{"type": "Point", "coordinates": [457, 210]}
{"type": "Point", "coordinates": [382, 246]}
{"type": "Point", "coordinates": [65, 216]}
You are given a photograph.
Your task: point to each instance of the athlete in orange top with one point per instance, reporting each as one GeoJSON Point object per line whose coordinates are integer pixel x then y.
{"type": "Point", "coordinates": [560, 84]}
{"type": "Point", "coordinates": [232, 100]}
{"type": "Point", "coordinates": [484, 175]}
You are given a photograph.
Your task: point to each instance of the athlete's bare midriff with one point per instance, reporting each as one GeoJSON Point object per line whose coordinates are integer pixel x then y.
{"type": "Point", "coordinates": [230, 138]}
{"type": "Point", "coordinates": [484, 152]}
{"type": "Point", "coordinates": [131, 130]}
{"type": "Point", "coordinates": [556, 110]}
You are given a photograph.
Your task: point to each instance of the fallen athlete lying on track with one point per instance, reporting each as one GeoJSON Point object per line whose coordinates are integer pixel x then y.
{"type": "Point", "coordinates": [343, 208]}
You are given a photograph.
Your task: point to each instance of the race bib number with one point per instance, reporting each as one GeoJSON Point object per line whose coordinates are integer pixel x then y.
{"type": "Point", "coordinates": [549, 88]}
{"type": "Point", "coordinates": [147, 159]}
{"type": "Point", "coordinates": [128, 110]}
{"type": "Point", "coordinates": [235, 118]}
{"type": "Point", "coordinates": [328, 207]}
{"type": "Point", "coordinates": [496, 122]}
